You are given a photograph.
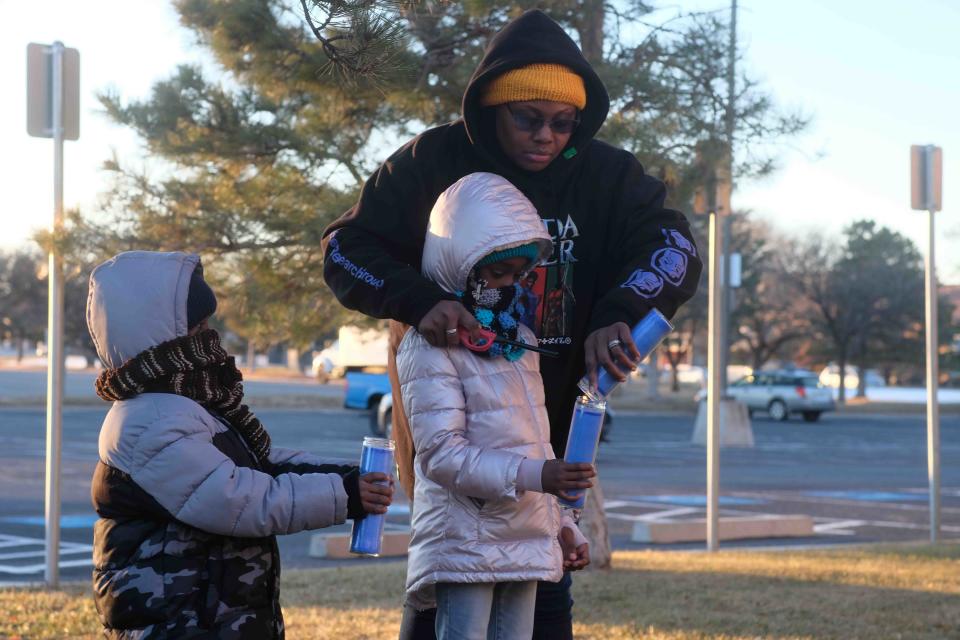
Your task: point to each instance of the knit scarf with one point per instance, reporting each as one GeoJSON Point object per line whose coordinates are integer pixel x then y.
{"type": "Point", "coordinates": [497, 309]}
{"type": "Point", "coordinates": [196, 367]}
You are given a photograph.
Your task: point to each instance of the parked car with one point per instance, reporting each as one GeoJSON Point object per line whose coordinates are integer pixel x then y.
{"type": "Point", "coordinates": [364, 390]}
{"type": "Point", "coordinates": [381, 420]}
{"type": "Point", "coordinates": [781, 393]}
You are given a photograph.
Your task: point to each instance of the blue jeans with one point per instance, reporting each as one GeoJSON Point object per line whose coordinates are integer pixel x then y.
{"type": "Point", "coordinates": [553, 619]}
{"type": "Point", "coordinates": [485, 610]}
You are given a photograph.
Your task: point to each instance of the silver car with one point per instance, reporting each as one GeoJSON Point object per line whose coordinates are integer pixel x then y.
{"type": "Point", "coordinates": [781, 393]}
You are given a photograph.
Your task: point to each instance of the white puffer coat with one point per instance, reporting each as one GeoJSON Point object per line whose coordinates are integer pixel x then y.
{"type": "Point", "coordinates": [474, 419]}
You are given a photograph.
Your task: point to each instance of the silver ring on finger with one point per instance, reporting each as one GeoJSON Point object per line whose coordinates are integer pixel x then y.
{"type": "Point", "coordinates": [613, 344]}
{"type": "Point", "coordinates": [451, 332]}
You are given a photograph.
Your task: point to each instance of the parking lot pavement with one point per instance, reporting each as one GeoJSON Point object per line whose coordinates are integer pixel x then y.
{"type": "Point", "coordinates": [30, 385]}
{"type": "Point", "coordinates": [861, 478]}
{"type": "Point", "coordinates": [839, 517]}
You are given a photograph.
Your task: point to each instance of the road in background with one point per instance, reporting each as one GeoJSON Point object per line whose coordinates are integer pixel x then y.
{"type": "Point", "coordinates": [18, 386]}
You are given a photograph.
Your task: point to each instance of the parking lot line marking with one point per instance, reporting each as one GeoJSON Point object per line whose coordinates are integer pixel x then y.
{"type": "Point", "coordinates": [655, 516]}
{"type": "Point", "coordinates": [38, 568]}
{"type": "Point", "coordinates": [660, 506]}
{"type": "Point", "coordinates": [841, 527]}
{"type": "Point", "coordinates": [16, 541]}
{"type": "Point", "coordinates": [700, 500]}
{"type": "Point", "coordinates": [848, 503]}
{"type": "Point", "coordinates": [39, 553]}
{"type": "Point", "coordinates": [908, 525]}
{"type": "Point", "coordinates": [869, 496]}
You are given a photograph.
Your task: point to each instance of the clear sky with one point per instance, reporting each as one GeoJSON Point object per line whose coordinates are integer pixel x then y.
{"type": "Point", "coordinates": [875, 76]}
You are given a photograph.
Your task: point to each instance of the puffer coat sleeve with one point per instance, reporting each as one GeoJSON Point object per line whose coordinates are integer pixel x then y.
{"type": "Point", "coordinates": [175, 461]}
{"type": "Point", "coordinates": [294, 461]}
{"type": "Point", "coordinates": [433, 400]}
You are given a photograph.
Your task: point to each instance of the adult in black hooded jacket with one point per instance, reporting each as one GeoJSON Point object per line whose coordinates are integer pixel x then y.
{"type": "Point", "coordinates": [617, 251]}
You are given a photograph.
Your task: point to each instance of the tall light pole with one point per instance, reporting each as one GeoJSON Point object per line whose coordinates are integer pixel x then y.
{"type": "Point", "coordinates": [729, 126]}
{"type": "Point", "coordinates": [718, 315]}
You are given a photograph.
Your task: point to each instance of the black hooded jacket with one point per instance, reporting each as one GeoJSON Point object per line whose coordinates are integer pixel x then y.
{"type": "Point", "coordinates": [617, 250]}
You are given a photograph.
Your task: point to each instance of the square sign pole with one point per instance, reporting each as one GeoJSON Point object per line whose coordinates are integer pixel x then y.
{"type": "Point", "coordinates": [926, 194]}
{"type": "Point", "coordinates": [53, 111]}
{"type": "Point", "coordinates": [714, 199]}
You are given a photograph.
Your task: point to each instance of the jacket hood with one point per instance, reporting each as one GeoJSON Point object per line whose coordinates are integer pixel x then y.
{"type": "Point", "coordinates": [137, 300]}
{"type": "Point", "coordinates": [478, 214]}
{"type": "Point", "coordinates": [533, 38]}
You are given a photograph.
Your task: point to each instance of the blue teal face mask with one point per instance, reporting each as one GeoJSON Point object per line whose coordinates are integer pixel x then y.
{"type": "Point", "coordinates": [497, 309]}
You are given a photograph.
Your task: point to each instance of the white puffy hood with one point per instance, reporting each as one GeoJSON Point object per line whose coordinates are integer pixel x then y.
{"type": "Point", "coordinates": [137, 300]}
{"type": "Point", "coordinates": [477, 215]}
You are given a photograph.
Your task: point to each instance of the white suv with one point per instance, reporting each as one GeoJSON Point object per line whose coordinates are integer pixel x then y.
{"type": "Point", "coordinates": [781, 393]}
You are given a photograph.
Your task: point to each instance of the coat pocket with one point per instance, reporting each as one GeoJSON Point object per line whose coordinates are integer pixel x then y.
{"type": "Point", "coordinates": [463, 517]}
{"type": "Point", "coordinates": [530, 517]}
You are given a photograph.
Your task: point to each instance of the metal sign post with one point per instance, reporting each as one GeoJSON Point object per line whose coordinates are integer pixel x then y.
{"type": "Point", "coordinates": [713, 198]}
{"type": "Point", "coordinates": [53, 112]}
{"type": "Point", "coordinates": [926, 194]}
{"type": "Point", "coordinates": [714, 358]}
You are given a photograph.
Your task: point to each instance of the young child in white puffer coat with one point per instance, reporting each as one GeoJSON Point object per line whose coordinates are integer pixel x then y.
{"type": "Point", "coordinates": [485, 527]}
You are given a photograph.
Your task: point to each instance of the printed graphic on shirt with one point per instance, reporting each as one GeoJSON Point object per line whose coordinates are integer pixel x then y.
{"type": "Point", "coordinates": [548, 290]}
{"type": "Point", "coordinates": [671, 264]}
{"type": "Point", "coordinates": [548, 303]}
{"type": "Point", "coordinates": [678, 240]}
{"type": "Point", "coordinates": [564, 233]}
{"type": "Point", "coordinates": [645, 284]}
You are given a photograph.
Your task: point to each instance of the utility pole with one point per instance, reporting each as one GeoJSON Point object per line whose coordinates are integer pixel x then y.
{"type": "Point", "coordinates": [719, 311]}
{"type": "Point", "coordinates": [729, 122]}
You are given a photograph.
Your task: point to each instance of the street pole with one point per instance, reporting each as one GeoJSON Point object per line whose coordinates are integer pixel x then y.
{"type": "Point", "coordinates": [729, 128]}
{"type": "Point", "coordinates": [926, 194]}
{"type": "Point", "coordinates": [55, 360]}
{"type": "Point", "coordinates": [933, 382]}
{"type": "Point", "coordinates": [717, 321]}
{"type": "Point", "coordinates": [714, 346]}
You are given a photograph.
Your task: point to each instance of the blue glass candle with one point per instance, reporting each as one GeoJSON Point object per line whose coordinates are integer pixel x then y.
{"type": "Point", "coordinates": [376, 455]}
{"type": "Point", "coordinates": [646, 334]}
{"type": "Point", "coordinates": [584, 436]}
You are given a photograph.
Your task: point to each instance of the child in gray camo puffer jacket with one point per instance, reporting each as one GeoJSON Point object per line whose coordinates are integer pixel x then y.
{"type": "Point", "coordinates": [189, 489]}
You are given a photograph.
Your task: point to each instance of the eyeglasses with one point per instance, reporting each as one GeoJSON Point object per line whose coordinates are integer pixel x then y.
{"type": "Point", "coordinates": [531, 124]}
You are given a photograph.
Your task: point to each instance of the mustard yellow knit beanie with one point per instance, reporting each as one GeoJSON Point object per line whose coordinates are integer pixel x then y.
{"type": "Point", "coordinates": [553, 82]}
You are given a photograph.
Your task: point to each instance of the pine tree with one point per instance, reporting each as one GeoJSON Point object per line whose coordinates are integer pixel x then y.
{"type": "Point", "coordinates": [256, 162]}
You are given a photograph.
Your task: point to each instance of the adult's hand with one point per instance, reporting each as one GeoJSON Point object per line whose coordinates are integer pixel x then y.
{"type": "Point", "coordinates": [619, 360]}
{"type": "Point", "coordinates": [439, 325]}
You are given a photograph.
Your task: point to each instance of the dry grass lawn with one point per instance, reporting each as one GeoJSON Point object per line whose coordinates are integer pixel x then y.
{"type": "Point", "coordinates": [906, 592]}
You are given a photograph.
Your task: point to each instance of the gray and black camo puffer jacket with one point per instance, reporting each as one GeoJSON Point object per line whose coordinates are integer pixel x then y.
{"type": "Point", "coordinates": [185, 544]}
{"type": "Point", "coordinates": [184, 547]}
